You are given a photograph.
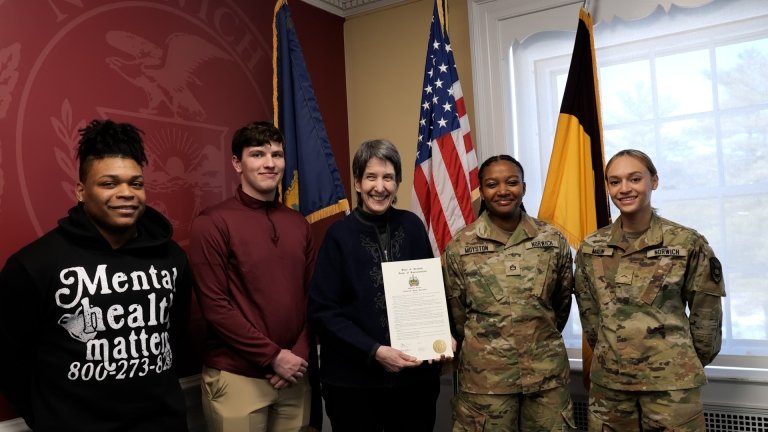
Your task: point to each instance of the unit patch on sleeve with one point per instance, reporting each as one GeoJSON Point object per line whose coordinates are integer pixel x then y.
{"type": "Point", "coordinates": [715, 269]}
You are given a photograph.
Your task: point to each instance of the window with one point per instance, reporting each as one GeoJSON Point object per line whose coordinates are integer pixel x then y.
{"type": "Point", "coordinates": [688, 87]}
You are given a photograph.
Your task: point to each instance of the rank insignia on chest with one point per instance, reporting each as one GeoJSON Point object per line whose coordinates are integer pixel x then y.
{"type": "Point", "coordinates": [667, 251]}
{"type": "Point", "coordinates": [512, 267]}
{"type": "Point", "coordinates": [476, 248]}
{"type": "Point", "coordinates": [624, 276]}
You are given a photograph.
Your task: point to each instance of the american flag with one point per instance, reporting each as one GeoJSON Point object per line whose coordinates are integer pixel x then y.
{"type": "Point", "coordinates": [445, 178]}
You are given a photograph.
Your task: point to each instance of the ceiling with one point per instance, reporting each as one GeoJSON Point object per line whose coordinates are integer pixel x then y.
{"type": "Point", "coordinates": [347, 8]}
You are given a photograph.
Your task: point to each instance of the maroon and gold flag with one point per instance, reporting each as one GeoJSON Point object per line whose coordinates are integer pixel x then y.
{"type": "Point", "coordinates": [575, 198]}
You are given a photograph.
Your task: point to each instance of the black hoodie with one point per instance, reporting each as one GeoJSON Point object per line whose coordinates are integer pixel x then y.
{"type": "Point", "coordinates": [86, 330]}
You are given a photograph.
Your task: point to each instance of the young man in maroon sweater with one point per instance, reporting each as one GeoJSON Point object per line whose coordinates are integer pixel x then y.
{"type": "Point", "coordinates": [252, 259]}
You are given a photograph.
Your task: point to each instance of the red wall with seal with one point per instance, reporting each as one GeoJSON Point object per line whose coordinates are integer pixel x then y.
{"type": "Point", "coordinates": [186, 72]}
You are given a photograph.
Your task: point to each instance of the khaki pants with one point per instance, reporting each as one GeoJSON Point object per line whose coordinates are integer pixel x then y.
{"type": "Point", "coordinates": [234, 403]}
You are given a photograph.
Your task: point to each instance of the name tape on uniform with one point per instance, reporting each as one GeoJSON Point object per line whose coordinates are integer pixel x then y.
{"type": "Point", "coordinates": [540, 244]}
{"type": "Point", "coordinates": [602, 251]}
{"type": "Point", "coordinates": [667, 251]}
{"type": "Point", "coordinates": [472, 249]}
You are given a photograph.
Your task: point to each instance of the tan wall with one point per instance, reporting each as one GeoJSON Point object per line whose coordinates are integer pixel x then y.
{"type": "Point", "coordinates": [385, 53]}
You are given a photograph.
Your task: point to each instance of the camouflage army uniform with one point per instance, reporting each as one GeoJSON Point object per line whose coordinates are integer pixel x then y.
{"type": "Point", "coordinates": [632, 296]}
{"type": "Point", "coordinates": [510, 296]}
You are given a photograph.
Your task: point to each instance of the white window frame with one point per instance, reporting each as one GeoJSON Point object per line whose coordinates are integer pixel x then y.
{"type": "Point", "coordinates": [497, 118]}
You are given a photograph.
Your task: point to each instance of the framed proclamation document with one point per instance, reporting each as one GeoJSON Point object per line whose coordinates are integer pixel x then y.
{"type": "Point", "coordinates": [416, 308]}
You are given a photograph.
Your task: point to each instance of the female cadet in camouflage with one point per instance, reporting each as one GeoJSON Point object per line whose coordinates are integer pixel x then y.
{"type": "Point", "coordinates": [634, 280]}
{"type": "Point", "coordinates": [508, 279]}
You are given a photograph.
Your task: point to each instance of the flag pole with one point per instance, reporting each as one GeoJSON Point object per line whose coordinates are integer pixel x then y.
{"type": "Point", "coordinates": [443, 12]}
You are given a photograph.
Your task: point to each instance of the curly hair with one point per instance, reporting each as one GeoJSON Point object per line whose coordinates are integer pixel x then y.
{"type": "Point", "coordinates": [105, 138]}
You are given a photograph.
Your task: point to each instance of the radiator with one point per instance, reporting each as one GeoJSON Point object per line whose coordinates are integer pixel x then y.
{"type": "Point", "coordinates": [580, 413]}
{"type": "Point", "coordinates": [717, 418]}
{"type": "Point", "coordinates": [731, 419]}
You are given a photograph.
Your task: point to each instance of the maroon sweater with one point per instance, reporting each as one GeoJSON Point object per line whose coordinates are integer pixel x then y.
{"type": "Point", "coordinates": [252, 262]}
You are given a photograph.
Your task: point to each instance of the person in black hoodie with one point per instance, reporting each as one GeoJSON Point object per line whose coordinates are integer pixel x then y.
{"type": "Point", "coordinates": [91, 312]}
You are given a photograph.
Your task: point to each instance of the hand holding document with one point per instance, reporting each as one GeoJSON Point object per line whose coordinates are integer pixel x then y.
{"type": "Point", "coordinates": [417, 309]}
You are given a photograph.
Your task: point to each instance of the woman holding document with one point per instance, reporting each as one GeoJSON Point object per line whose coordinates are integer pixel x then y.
{"type": "Point", "coordinates": [508, 279]}
{"type": "Point", "coordinates": [368, 385]}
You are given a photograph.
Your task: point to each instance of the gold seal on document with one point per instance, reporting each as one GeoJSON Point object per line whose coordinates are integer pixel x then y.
{"type": "Point", "coordinates": [439, 346]}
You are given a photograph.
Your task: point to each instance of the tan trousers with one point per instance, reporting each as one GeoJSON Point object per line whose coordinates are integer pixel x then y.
{"type": "Point", "coordinates": [234, 403]}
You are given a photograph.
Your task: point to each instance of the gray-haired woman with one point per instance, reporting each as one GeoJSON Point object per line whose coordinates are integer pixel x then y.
{"type": "Point", "coordinates": [368, 385]}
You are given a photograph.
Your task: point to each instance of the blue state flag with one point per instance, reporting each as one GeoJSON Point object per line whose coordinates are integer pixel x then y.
{"type": "Point", "coordinates": [311, 184]}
